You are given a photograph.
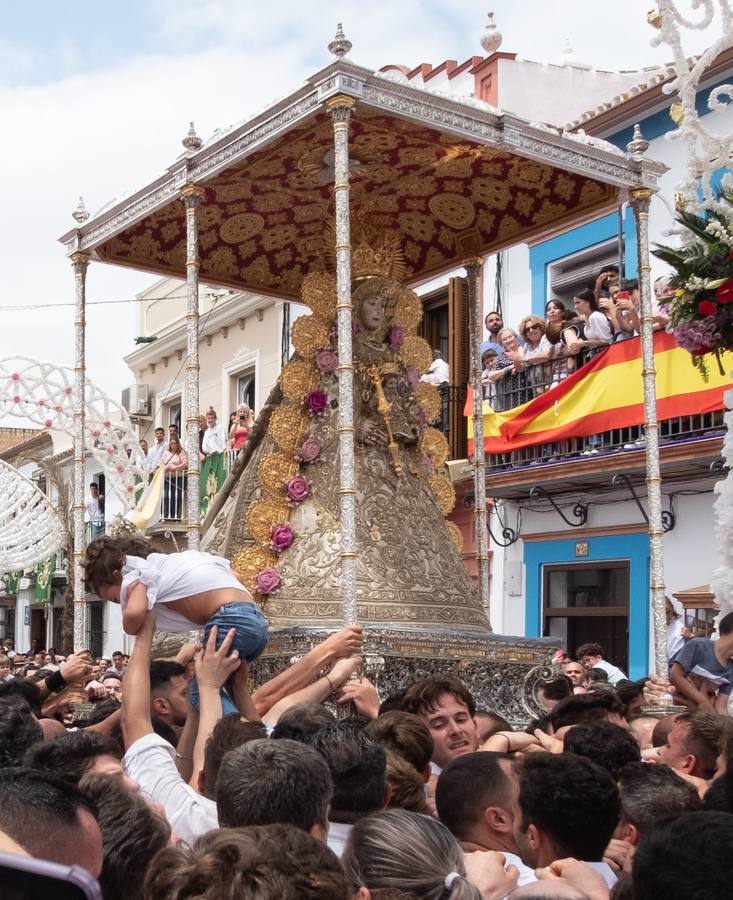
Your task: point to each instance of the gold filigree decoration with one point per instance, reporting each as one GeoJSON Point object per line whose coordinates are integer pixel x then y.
{"type": "Point", "coordinates": [248, 562]}
{"type": "Point", "coordinates": [309, 334]}
{"type": "Point", "coordinates": [416, 353]}
{"type": "Point", "coordinates": [443, 491]}
{"type": "Point", "coordinates": [275, 471]}
{"type": "Point", "coordinates": [408, 311]}
{"type": "Point", "coordinates": [298, 379]}
{"type": "Point", "coordinates": [318, 292]}
{"type": "Point", "coordinates": [428, 396]}
{"type": "Point", "coordinates": [456, 536]}
{"type": "Point", "coordinates": [263, 516]}
{"type": "Point", "coordinates": [241, 227]}
{"type": "Point", "coordinates": [455, 211]}
{"type": "Point", "coordinates": [434, 445]}
{"type": "Point", "coordinates": [288, 424]}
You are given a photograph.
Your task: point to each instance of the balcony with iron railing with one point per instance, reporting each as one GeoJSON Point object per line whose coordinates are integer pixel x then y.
{"type": "Point", "coordinates": [690, 443]}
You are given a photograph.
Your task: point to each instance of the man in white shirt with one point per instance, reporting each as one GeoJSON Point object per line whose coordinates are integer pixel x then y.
{"type": "Point", "coordinates": [474, 800]}
{"type": "Point", "coordinates": [94, 504]}
{"type": "Point", "coordinates": [591, 656]}
{"type": "Point", "coordinates": [547, 827]}
{"type": "Point", "coordinates": [216, 437]}
{"type": "Point", "coordinates": [155, 454]}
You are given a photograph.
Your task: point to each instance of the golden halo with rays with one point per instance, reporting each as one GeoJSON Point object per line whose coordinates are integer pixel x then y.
{"type": "Point", "coordinates": [288, 424]}
{"type": "Point", "coordinates": [310, 334]}
{"type": "Point", "coordinates": [456, 536]}
{"type": "Point", "coordinates": [408, 310]}
{"type": "Point", "coordinates": [248, 562]}
{"type": "Point", "coordinates": [263, 516]}
{"type": "Point", "coordinates": [298, 379]}
{"type": "Point", "coordinates": [416, 353]}
{"type": "Point", "coordinates": [434, 445]}
{"type": "Point", "coordinates": [318, 292]}
{"type": "Point", "coordinates": [428, 396]}
{"type": "Point", "coordinates": [443, 491]}
{"type": "Point", "coordinates": [275, 471]}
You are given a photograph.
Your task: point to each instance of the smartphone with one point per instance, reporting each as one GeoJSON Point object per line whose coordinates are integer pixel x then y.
{"type": "Point", "coordinates": [25, 878]}
{"type": "Point", "coordinates": [242, 419]}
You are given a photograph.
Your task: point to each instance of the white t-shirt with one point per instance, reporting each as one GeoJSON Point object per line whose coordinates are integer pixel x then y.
{"type": "Point", "coordinates": [614, 674]}
{"type": "Point", "coordinates": [172, 576]}
{"type": "Point", "coordinates": [438, 373]}
{"type": "Point", "coordinates": [216, 440]}
{"type": "Point", "coordinates": [598, 328]}
{"type": "Point", "coordinates": [675, 641]}
{"type": "Point", "coordinates": [94, 511]}
{"type": "Point", "coordinates": [151, 762]}
{"type": "Point", "coordinates": [155, 455]}
{"type": "Point", "coordinates": [338, 834]}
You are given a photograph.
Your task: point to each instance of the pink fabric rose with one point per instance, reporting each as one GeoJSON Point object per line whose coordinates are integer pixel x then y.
{"type": "Point", "coordinates": [326, 361]}
{"type": "Point", "coordinates": [316, 402]}
{"type": "Point", "coordinates": [311, 450]}
{"type": "Point", "coordinates": [426, 464]}
{"type": "Point", "coordinates": [282, 537]}
{"type": "Point", "coordinates": [298, 489]}
{"type": "Point", "coordinates": [396, 337]}
{"type": "Point", "coordinates": [413, 377]}
{"type": "Point", "coordinates": [267, 581]}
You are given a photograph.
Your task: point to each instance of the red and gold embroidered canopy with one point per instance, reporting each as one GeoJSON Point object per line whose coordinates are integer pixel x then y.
{"type": "Point", "coordinates": [263, 220]}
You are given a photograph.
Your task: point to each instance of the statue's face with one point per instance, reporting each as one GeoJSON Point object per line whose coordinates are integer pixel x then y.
{"type": "Point", "coordinates": [371, 312]}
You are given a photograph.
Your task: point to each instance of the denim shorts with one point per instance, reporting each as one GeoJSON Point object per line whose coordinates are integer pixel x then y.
{"type": "Point", "coordinates": [250, 624]}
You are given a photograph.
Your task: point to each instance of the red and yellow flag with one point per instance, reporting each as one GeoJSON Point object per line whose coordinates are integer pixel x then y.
{"type": "Point", "coordinates": [606, 393]}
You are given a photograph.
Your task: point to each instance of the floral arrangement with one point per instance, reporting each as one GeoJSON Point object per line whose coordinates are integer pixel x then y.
{"type": "Point", "coordinates": [701, 307]}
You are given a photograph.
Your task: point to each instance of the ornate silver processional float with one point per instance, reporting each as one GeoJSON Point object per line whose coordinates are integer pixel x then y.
{"type": "Point", "coordinates": [339, 196]}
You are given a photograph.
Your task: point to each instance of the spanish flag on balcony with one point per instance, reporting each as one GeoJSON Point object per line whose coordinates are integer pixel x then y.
{"type": "Point", "coordinates": [604, 394]}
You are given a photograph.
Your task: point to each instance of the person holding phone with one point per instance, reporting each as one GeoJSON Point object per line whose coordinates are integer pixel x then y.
{"type": "Point", "coordinates": [596, 330]}
{"type": "Point", "coordinates": [241, 426]}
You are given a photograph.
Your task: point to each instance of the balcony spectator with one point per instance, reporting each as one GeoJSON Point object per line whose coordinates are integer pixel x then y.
{"type": "Point", "coordinates": [142, 455]}
{"type": "Point", "coordinates": [606, 281]}
{"type": "Point", "coordinates": [509, 375]}
{"type": "Point", "coordinates": [627, 311]}
{"type": "Point", "coordinates": [215, 439]}
{"type": "Point", "coordinates": [438, 373]}
{"type": "Point", "coordinates": [241, 423]}
{"type": "Point", "coordinates": [155, 454]}
{"type": "Point", "coordinates": [537, 351]}
{"type": "Point", "coordinates": [94, 504]}
{"type": "Point", "coordinates": [173, 432]}
{"type": "Point", "coordinates": [494, 324]}
{"type": "Point", "coordinates": [488, 358]}
{"type": "Point", "coordinates": [175, 461]}
{"type": "Point", "coordinates": [593, 329]}
{"type": "Point", "coordinates": [202, 432]}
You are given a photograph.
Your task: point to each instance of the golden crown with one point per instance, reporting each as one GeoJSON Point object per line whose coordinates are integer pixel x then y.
{"type": "Point", "coordinates": [374, 252]}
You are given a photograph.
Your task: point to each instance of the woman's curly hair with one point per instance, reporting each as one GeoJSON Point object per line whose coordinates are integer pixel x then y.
{"type": "Point", "coordinates": [105, 555]}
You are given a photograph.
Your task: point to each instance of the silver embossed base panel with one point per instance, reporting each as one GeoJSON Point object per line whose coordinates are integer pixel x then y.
{"type": "Point", "coordinates": [502, 673]}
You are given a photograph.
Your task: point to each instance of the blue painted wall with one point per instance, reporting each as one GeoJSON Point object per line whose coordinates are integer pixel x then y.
{"type": "Point", "coordinates": [541, 255]}
{"type": "Point", "coordinates": [631, 547]}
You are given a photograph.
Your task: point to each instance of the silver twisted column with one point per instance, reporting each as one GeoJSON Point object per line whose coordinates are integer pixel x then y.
{"type": "Point", "coordinates": [191, 196]}
{"type": "Point", "coordinates": [640, 200]}
{"type": "Point", "coordinates": [473, 270]}
{"type": "Point", "coordinates": [80, 263]}
{"type": "Point", "coordinates": [340, 109]}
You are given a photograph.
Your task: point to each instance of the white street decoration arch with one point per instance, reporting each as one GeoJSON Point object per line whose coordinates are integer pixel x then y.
{"type": "Point", "coordinates": [44, 393]}
{"type": "Point", "coordinates": [30, 530]}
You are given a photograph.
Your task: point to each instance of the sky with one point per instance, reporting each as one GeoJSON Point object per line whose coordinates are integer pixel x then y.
{"type": "Point", "coordinates": [96, 96]}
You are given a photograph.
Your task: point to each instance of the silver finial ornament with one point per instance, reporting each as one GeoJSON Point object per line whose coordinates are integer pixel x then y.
{"type": "Point", "coordinates": [638, 145]}
{"type": "Point", "coordinates": [80, 214]}
{"type": "Point", "coordinates": [491, 38]}
{"type": "Point", "coordinates": [192, 141]}
{"type": "Point", "coordinates": [340, 45]}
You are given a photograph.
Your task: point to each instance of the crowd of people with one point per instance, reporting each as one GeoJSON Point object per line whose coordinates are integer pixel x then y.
{"type": "Point", "coordinates": [520, 364]}
{"type": "Point", "coordinates": [312, 786]}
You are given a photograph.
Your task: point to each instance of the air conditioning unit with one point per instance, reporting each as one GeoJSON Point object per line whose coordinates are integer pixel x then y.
{"type": "Point", "coordinates": [136, 400]}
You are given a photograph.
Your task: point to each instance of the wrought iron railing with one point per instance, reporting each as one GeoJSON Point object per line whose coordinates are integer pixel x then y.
{"type": "Point", "coordinates": [451, 420]}
{"type": "Point", "coordinates": [521, 387]}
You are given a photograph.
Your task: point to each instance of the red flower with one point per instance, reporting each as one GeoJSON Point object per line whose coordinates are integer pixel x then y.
{"type": "Point", "coordinates": [724, 294]}
{"type": "Point", "coordinates": [707, 308]}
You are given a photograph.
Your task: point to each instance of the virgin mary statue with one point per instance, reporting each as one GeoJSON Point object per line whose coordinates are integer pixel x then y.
{"type": "Point", "coordinates": [280, 523]}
